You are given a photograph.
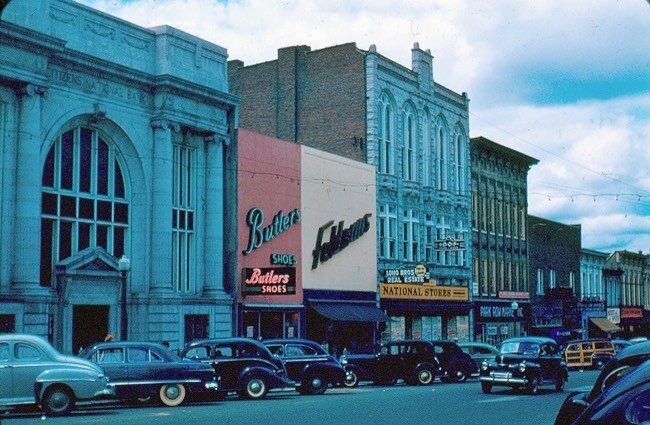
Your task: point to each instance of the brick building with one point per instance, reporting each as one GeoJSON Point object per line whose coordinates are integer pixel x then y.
{"type": "Point", "coordinates": [359, 104]}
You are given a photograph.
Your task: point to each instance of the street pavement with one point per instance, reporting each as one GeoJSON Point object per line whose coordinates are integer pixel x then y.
{"type": "Point", "coordinates": [368, 404]}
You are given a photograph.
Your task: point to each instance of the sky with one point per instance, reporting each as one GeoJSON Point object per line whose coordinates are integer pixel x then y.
{"type": "Point", "coordinates": [564, 81]}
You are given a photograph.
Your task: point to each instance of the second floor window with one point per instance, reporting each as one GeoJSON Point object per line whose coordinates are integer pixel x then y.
{"type": "Point", "coordinates": [183, 201]}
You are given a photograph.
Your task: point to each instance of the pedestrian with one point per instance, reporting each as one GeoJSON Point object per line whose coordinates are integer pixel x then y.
{"type": "Point", "coordinates": [109, 337]}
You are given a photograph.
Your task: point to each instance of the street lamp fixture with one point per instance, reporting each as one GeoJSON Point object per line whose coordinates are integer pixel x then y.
{"type": "Point", "coordinates": [123, 265]}
{"type": "Point", "coordinates": [515, 307]}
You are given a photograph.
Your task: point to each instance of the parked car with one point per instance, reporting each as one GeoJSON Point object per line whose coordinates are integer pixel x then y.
{"type": "Point", "coordinates": [588, 353]}
{"type": "Point", "coordinates": [34, 372]}
{"type": "Point", "coordinates": [623, 363]}
{"type": "Point", "coordinates": [245, 365]}
{"type": "Point", "coordinates": [625, 401]}
{"type": "Point", "coordinates": [638, 339]}
{"type": "Point", "coordinates": [620, 344]}
{"type": "Point", "coordinates": [142, 370]}
{"type": "Point", "coordinates": [479, 351]}
{"type": "Point", "coordinates": [456, 365]}
{"type": "Point", "coordinates": [412, 360]}
{"type": "Point", "coordinates": [308, 364]}
{"type": "Point", "coordinates": [525, 363]}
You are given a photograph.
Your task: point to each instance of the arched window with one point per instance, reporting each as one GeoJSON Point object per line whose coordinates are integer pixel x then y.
{"type": "Point", "coordinates": [441, 155]}
{"type": "Point", "coordinates": [84, 198]}
{"type": "Point", "coordinates": [426, 150]}
{"type": "Point", "coordinates": [409, 162]}
{"type": "Point", "coordinates": [460, 164]}
{"type": "Point", "coordinates": [386, 128]}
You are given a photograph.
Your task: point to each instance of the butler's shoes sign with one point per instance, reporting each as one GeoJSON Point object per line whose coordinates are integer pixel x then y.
{"type": "Point", "coordinates": [269, 281]}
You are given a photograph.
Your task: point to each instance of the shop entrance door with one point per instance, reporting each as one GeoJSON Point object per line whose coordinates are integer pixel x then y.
{"type": "Point", "coordinates": [89, 325]}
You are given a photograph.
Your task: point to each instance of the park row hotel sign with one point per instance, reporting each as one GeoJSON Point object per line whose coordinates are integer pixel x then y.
{"type": "Point", "coordinates": [416, 284]}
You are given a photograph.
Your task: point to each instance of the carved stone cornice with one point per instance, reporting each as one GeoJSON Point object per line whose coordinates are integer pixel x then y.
{"type": "Point", "coordinates": [32, 90]}
{"type": "Point", "coordinates": [165, 124]}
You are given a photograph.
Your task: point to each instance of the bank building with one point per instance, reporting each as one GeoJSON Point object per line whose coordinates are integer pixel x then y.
{"type": "Point", "coordinates": [118, 167]}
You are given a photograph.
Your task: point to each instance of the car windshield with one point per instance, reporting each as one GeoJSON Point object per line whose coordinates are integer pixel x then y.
{"type": "Point", "coordinates": [520, 347]}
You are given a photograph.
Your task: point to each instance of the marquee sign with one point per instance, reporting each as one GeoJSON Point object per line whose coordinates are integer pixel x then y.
{"type": "Point", "coordinates": [269, 281]}
{"type": "Point", "coordinates": [259, 235]}
{"type": "Point", "coordinates": [340, 238]}
{"type": "Point", "coordinates": [423, 292]}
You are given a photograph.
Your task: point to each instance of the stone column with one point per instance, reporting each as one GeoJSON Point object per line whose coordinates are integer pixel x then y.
{"type": "Point", "coordinates": [27, 248]}
{"type": "Point", "coordinates": [161, 207]}
{"type": "Point", "coordinates": [214, 219]}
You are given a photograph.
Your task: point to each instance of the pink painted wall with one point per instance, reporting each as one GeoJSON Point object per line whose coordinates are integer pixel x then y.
{"type": "Point", "coordinates": [269, 179]}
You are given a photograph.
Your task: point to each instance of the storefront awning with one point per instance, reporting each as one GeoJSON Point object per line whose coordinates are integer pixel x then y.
{"type": "Point", "coordinates": [604, 324]}
{"type": "Point", "coordinates": [349, 311]}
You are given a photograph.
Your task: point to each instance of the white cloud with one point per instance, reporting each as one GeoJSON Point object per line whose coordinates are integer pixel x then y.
{"type": "Point", "coordinates": [534, 72]}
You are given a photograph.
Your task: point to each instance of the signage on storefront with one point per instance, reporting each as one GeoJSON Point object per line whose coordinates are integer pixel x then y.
{"type": "Point", "coordinates": [269, 281]}
{"type": "Point", "coordinates": [340, 238]}
{"type": "Point", "coordinates": [614, 315]}
{"type": "Point", "coordinates": [499, 312]}
{"type": "Point", "coordinates": [423, 292]}
{"type": "Point", "coordinates": [417, 275]}
{"type": "Point", "coordinates": [591, 306]}
{"type": "Point", "coordinates": [258, 235]}
{"type": "Point", "coordinates": [449, 244]}
{"type": "Point", "coordinates": [631, 313]}
{"type": "Point", "coordinates": [512, 295]}
{"type": "Point", "coordinates": [284, 260]}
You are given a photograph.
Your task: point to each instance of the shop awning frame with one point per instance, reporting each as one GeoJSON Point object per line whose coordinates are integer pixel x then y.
{"type": "Point", "coordinates": [604, 324]}
{"type": "Point", "coordinates": [348, 311]}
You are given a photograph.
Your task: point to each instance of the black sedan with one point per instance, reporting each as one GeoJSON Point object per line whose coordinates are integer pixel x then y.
{"type": "Point", "coordinates": [308, 364]}
{"type": "Point", "coordinates": [244, 365]}
{"type": "Point", "coordinates": [142, 370]}
{"type": "Point", "coordinates": [412, 360]}
{"type": "Point", "coordinates": [525, 363]}
{"type": "Point", "coordinates": [456, 364]}
{"type": "Point", "coordinates": [622, 364]}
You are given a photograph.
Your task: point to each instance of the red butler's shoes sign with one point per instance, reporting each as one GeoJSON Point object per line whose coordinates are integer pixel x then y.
{"type": "Point", "coordinates": [269, 281]}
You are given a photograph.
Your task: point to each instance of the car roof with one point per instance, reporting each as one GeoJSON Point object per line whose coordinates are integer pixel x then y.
{"type": "Point", "coordinates": [231, 340]}
{"type": "Point", "coordinates": [408, 341]}
{"type": "Point", "coordinates": [23, 337]}
{"type": "Point", "coordinates": [535, 339]}
{"type": "Point", "coordinates": [289, 341]}
{"type": "Point", "coordinates": [475, 344]}
{"type": "Point", "coordinates": [640, 349]}
{"type": "Point", "coordinates": [573, 341]}
{"type": "Point", "coordinates": [120, 344]}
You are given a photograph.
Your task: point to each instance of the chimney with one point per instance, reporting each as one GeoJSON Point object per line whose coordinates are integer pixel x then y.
{"type": "Point", "coordinates": [422, 64]}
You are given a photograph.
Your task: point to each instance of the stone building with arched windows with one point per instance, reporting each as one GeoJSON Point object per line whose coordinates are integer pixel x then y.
{"type": "Point", "coordinates": [362, 105]}
{"type": "Point", "coordinates": [118, 179]}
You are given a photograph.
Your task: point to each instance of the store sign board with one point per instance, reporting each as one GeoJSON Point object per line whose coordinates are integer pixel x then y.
{"type": "Point", "coordinates": [418, 275]}
{"type": "Point", "coordinates": [258, 234]}
{"type": "Point", "coordinates": [340, 238]}
{"type": "Point", "coordinates": [449, 244]}
{"type": "Point", "coordinates": [269, 281]}
{"type": "Point", "coordinates": [631, 313]}
{"type": "Point", "coordinates": [512, 295]}
{"type": "Point", "coordinates": [499, 312]}
{"type": "Point", "coordinates": [614, 315]}
{"type": "Point", "coordinates": [423, 292]}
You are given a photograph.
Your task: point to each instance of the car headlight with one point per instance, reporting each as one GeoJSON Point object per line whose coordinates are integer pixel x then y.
{"type": "Point", "coordinates": [484, 366]}
{"type": "Point", "coordinates": [522, 367]}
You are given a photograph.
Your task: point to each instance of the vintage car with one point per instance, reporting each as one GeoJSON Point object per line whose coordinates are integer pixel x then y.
{"type": "Point", "coordinates": [245, 365]}
{"type": "Point", "coordinates": [456, 365]}
{"type": "Point", "coordinates": [142, 370]}
{"type": "Point", "coordinates": [33, 372]}
{"type": "Point", "coordinates": [622, 364]}
{"type": "Point", "coordinates": [525, 363]}
{"type": "Point", "coordinates": [308, 364]}
{"type": "Point", "coordinates": [479, 351]}
{"type": "Point", "coordinates": [588, 353]}
{"type": "Point", "coordinates": [621, 344]}
{"type": "Point", "coordinates": [625, 401]}
{"type": "Point", "coordinates": [414, 361]}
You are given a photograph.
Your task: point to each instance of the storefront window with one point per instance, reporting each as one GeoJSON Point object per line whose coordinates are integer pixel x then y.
{"type": "Point", "coordinates": [271, 324]}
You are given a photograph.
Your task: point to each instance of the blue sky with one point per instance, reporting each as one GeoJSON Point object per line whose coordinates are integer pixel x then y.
{"type": "Point", "coordinates": [566, 82]}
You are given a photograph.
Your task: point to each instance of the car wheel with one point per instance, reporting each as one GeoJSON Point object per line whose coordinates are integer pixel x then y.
{"type": "Point", "coordinates": [486, 387]}
{"type": "Point", "coordinates": [254, 388]}
{"type": "Point", "coordinates": [533, 385]}
{"type": "Point", "coordinates": [351, 379]}
{"type": "Point", "coordinates": [315, 385]}
{"type": "Point", "coordinates": [172, 395]}
{"type": "Point", "coordinates": [58, 400]}
{"type": "Point", "coordinates": [459, 374]}
{"type": "Point", "coordinates": [559, 384]}
{"type": "Point", "coordinates": [424, 376]}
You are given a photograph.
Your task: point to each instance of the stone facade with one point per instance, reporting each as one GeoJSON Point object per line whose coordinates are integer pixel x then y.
{"type": "Point", "coordinates": [117, 140]}
{"type": "Point", "coordinates": [362, 105]}
{"type": "Point", "coordinates": [634, 286]}
{"type": "Point", "coordinates": [499, 228]}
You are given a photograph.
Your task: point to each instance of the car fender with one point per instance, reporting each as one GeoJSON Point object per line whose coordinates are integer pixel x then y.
{"type": "Point", "coordinates": [361, 373]}
{"type": "Point", "coordinates": [332, 372]}
{"type": "Point", "coordinates": [84, 383]}
{"type": "Point", "coordinates": [471, 367]}
{"type": "Point", "coordinates": [271, 379]}
{"type": "Point", "coordinates": [435, 367]}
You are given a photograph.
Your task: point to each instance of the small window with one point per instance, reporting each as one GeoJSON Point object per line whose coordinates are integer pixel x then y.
{"type": "Point", "coordinates": [138, 355]}
{"type": "Point", "coordinates": [198, 353]}
{"type": "Point", "coordinates": [383, 350]}
{"type": "Point", "coordinates": [4, 352]}
{"type": "Point", "coordinates": [249, 350]}
{"type": "Point", "coordinates": [299, 350]}
{"type": "Point", "coordinates": [573, 347]}
{"type": "Point", "coordinates": [110, 355]}
{"type": "Point", "coordinates": [586, 346]}
{"type": "Point", "coordinates": [278, 350]}
{"type": "Point", "coordinates": [482, 350]}
{"type": "Point", "coordinates": [222, 351]}
{"type": "Point", "coordinates": [24, 352]}
{"type": "Point", "coordinates": [155, 357]}
{"type": "Point", "coordinates": [394, 349]}
{"type": "Point", "coordinates": [603, 345]}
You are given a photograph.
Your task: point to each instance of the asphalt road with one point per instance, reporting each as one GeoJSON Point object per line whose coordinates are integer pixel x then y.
{"type": "Point", "coordinates": [439, 403]}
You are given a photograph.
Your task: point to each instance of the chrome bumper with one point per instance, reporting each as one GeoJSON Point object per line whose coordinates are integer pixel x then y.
{"type": "Point", "coordinates": [504, 381]}
{"type": "Point", "coordinates": [109, 391]}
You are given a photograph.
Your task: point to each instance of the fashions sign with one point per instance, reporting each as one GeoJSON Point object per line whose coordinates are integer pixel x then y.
{"type": "Point", "coordinates": [269, 281]}
{"type": "Point", "coordinates": [258, 235]}
{"type": "Point", "coordinates": [340, 238]}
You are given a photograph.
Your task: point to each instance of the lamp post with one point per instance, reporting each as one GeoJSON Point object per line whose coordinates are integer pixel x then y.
{"type": "Point", "coordinates": [515, 307]}
{"type": "Point", "coordinates": [124, 265]}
